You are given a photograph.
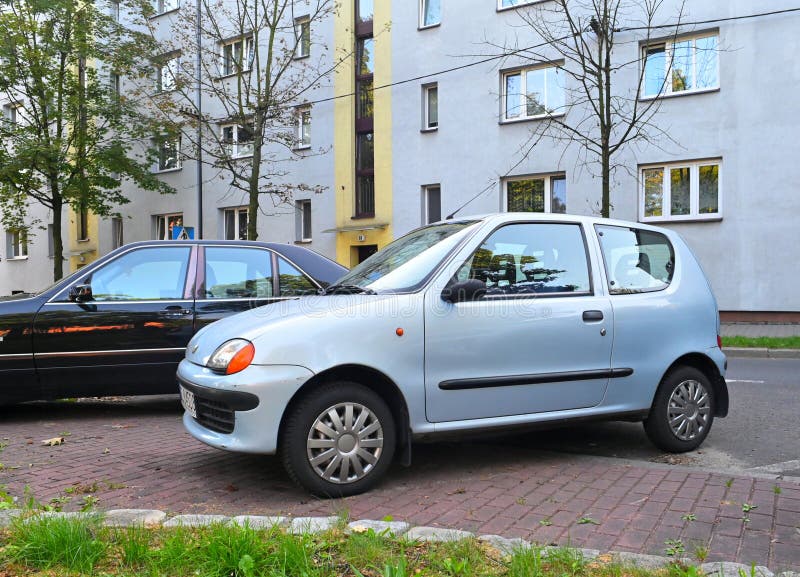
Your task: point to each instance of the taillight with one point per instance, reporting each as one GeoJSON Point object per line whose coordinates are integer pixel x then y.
{"type": "Point", "coordinates": [719, 341]}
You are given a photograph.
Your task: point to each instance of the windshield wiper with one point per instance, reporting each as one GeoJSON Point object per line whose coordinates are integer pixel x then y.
{"type": "Point", "coordinates": [348, 289]}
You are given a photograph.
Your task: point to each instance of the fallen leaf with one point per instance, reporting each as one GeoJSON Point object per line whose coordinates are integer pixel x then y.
{"type": "Point", "coordinates": [359, 529]}
{"type": "Point", "coordinates": [106, 451]}
{"type": "Point", "coordinates": [54, 441]}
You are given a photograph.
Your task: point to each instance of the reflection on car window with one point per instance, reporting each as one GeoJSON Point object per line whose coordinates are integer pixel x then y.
{"type": "Point", "coordinates": [154, 273]}
{"type": "Point", "coordinates": [292, 282]}
{"type": "Point", "coordinates": [636, 260]}
{"type": "Point", "coordinates": [233, 273]}
{"type": "Point", "coordinates": [527, 259]}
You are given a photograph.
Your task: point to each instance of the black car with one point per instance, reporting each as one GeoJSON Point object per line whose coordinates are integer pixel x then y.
{"type": "Point", "coordinates": [120, 325]}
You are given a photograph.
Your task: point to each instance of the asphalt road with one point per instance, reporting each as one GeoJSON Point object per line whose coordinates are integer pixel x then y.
{"type": "Point", "coordinates": [761, 432]}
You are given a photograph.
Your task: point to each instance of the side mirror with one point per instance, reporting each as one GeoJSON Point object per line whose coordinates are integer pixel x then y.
{"type": "Point", "coordinates": [81, 293]}
{"type": "Point", "coordinates": [466, 291]}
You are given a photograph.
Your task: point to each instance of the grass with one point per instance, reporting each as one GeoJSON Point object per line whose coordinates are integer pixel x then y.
{"type": "Point", "coordinates": [762, 342]}
{"type": "Point", "coordinates": [43, 546]}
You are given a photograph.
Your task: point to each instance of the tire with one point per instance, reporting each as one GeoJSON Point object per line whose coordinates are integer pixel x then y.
{"type": "Point", "coordinates": [686, 396]}
{"type": "Point", "coordinates": [314, 447]}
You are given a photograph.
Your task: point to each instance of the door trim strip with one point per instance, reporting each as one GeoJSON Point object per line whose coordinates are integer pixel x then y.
{"type": "Point", "coordinates": [116, 352]}
{"type": "Point", "coordinates": [536, 379]}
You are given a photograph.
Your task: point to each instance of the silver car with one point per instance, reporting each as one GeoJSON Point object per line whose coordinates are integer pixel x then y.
{"type": "Point", "coordinates": [484, 323]}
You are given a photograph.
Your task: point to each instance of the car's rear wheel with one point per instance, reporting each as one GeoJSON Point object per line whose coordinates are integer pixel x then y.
{"type": "Point", "coordinates": [338, 440]}
{"type": "Point", "coordinates": [682, 411]}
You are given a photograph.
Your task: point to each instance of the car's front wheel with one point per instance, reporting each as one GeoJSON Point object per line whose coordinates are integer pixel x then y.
{"type": "Point", "coordinates": [338, 440]}
{"type": "Point", "coordinates": [682, 411]}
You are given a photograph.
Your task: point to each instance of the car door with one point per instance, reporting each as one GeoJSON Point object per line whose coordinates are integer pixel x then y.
{"type": "Point", "coordinates": [539, 341]}
{"type": "Point", "coordinates": [129, 336]}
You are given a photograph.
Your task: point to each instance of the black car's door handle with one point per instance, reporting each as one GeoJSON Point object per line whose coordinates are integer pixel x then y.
{"type": "Point", "coordinates": [592, 316]}
{"type": "Point", "coordinates": [176, 311]}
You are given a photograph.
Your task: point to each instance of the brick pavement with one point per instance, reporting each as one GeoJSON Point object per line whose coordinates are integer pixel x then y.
{"type": "Point", "coordinates": [138, 454]}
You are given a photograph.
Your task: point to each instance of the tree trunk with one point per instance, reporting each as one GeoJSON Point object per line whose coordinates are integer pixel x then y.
{"type": "Point", "coordinates": [58, 243]}
{"type": "Point", "coordinates": [255, 176]}
{"type": "Point", "coordinates": [605, 207]}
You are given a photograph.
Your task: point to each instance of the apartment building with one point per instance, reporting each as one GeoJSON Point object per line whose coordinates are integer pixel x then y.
{"type": "Point", "coordinates": [402, 133]}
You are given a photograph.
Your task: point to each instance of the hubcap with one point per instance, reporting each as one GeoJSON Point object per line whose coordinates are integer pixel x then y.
{"type": "Point", "coordinates": [688, 410]}
{"type": "Point", "coordinates": [345, 443]}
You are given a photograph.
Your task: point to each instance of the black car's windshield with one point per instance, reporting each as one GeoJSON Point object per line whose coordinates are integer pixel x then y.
{"type": "Point", "coordinates": [406, 262]}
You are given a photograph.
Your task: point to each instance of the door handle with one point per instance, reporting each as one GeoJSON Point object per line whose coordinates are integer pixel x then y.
{"type": "Point", "coordinates": [592, 316]}
{"type": "Point", "coordinates": [176, 311]}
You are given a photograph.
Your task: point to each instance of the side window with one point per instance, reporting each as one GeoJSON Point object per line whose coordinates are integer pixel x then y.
{"type": "Point", "coordinates": [292, 282]}
{"type": "Point", "coordinates": [636, 260]}
{"type": "Point", "coordinates": [537, 258]}
{"type": "Point", "coordinates": [157, 273]}
{"type": "Point", "coordinates": [233, 273]}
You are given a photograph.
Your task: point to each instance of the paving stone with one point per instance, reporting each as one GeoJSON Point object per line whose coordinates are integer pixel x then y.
{"type": "Point", "coordinates": [643, 561]}
{"type": "Point", "coordinates": [589, 554]}
{"type": "Point", "coordinates": [134, 517]}
{"type": "Point", "coordinates": [259, 521]}
{"type": "Point", "coordinates": [196, 520]}
{"type": "Point", "coordinates": [8, 515]}
{"type": "Point", "coordinates": [312, 524]}
{"type": "Point", "coordinates": [727, 569]}
{"type": "Point", "coordinates": [437, 534]}
{"type": "Point", "coordinates": [380, 527]}
{"type": "Point", "coordinates": [65, 515]}
{"type": "Point", "coordinates": [788, 574]}
{"type": "Point", "coordinates": [505, 546]}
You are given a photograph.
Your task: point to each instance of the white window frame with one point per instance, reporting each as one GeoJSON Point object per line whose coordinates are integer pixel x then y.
{"type": "Point", "coordinates": [164, 218]}
{"type": "Point", "coordinates": [113, 10]}
{"type": "Point", "coordinates": [426, 121]}
{"type": "Point", "coordinates": [234, 147]}
{"type": "Point", "coordinates": [523, 108]}
{"type": "Point", "coordinates": [303, 234]}
{"type": "Point", "coordinates": [160, 143]}
{"type": "Point", "coordinates": [303, 127]}
{"type": "Point", "coordinates": [117, 232]}
{"type": "Point", "coordinates": [237, 212]}
{"type": "Point", "coordinates": [167, 73]}
{"type": "Point", "coordinates": [17, 244]}
{"type": "Point", "coordinates": [165, 6]}
{"type": "Point", "coordinates": [423, 5]}
{"type": "Point", "coordinates": [11, 114]}
{"type": "Point", "coordinates": [229, 63]}
{"type": "Point", "coordinates": [426, 217]}
{"type": "Point", "coordinates": [668, 60]}
{"type": "Point", "coordinates": [516, 4]}
{"type": "Point", "coordinates": [115, 80]}
{"type": "Point", "coordinates": [302, 27]}
{"type": "Point", "coordinates": [548, 188]}
{"type": "Point", "coordinates": [694, 192]}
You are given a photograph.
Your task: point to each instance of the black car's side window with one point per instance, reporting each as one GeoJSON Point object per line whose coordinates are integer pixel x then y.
{"type": "Point", "coordinates": [237, 272]}
{"type": "Point", "coordinates": [531, 259]}
{"type": "Point", "coordinates": [150, 273]}
{"type": "Point", "coordinates": [293, 282]}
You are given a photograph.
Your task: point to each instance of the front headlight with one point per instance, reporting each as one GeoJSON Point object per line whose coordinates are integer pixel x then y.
{"type": "Point", "coordinates": [232, 356]}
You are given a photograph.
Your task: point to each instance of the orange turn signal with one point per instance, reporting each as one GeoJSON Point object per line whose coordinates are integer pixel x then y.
{"type": "Point", "coordinates": [241, 360]}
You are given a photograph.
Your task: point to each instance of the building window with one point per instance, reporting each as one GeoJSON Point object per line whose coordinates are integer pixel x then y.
{"type": "Point", "coordinates": [17, 243]}
{"type": "Point", "coordinates": [168, 226]}
{"type": "Point", "coordinates": [533, 93]}
{"type": "Point", "coordinates": [117, 232]}
{"type": "Point", "coordinates": [304, 127]}
{"type": "Point", "coordinates": [304, 220]}
{"type": "Point", "coordinates": [113, 10]}
{"type": "Point", "coordinates": [238, 140]}
{"type": "Point", "coordinates": [237, 56]}
{"type": "Point", "coordinates": [430, 13]}
{"type": "Point", "coordinates": [430, 107]}
{"type": "Point", "coordinates": [10, 115]}
{"type": "Point", "coordinates": [503, 4]}
{"type": "Point", "coordinates": [51, 241]}
{"type": "Point", "coordinates": [302, 31]}
{"type": "Point", "coordinates": [167, 73]}
{"type": "Point", "coordinates": [364, 204]}
{"type": "Point", "coordinates": [236, 223]}
{"type": "Point", "coordinates": [82, 214]}
{"type": "Point", "coordinates": [163, 6]}
{"type": "Point", "coordinates": [684, 66]}
{"type": "Point", "coordinates": [366, 10]}
{"type": "Point", "coordinates": [169, 153]}
{"type": "Point", "coordinates": [685, 191]}
{"type": "Point", "coordinates": [365, 175]}
{"type": "Point", "coordinates": [536, 194]}
{"type": "Point", "coordinates": [115, 83]}
{"type": "Point", "coordinates": [364, 74]}
{"type": "Point", "coordinates": [431, 203]}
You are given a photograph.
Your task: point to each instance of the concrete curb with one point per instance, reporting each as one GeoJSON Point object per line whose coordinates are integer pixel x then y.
{"type": "Point", "coordinates": [761, 353]}
{"type": "Point", "coordinates": [154, 518]}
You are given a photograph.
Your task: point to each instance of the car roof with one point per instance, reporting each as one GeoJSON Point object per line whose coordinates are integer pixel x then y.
{"type": "Point", "coordinates": [501, 217]}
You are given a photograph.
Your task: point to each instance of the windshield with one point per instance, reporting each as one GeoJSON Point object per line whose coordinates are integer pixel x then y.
{"type": "Point", "coordinates": [408, 261]}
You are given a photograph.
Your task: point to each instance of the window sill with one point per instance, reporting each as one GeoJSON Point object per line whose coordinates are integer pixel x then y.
{"type": "Point", "coordinates": [302, 148]}
{"type": "Point", "coordinates": [520, 5]}
{"type": "Point", "coordinates": [304, 241]}
{"type": "Point", "coordinates": [17, 258]}
{"type": "Point", "coordinates": [301, 56]}
{"type": "Point", "coordinates": [167, 170]}
{"type": "Point", "coordinates": [531, 118]}
{"type": "Point", "coordinates": [428, 130]}
{"type": "Point", "coordinates": [678, 94]}
{"type": "Point", "coordinates": [173, 11]}
{"type": "Point", "coordinates": [429, 26]}
{"type": "Point", "coordinates": [363, 216]}
{"type": "Point", "coordinates": [233, 74]}
{"type": "Point", "coordinates": [681, 219]}
{"type": "Point", "coordinates": [83, 240]}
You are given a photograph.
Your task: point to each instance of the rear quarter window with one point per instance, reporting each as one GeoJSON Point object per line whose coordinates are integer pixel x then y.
{"type": "Point", "coordinates": [636, 260]}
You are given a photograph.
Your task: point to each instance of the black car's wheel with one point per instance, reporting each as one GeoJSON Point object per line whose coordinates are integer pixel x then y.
{"type": "Point", "coordinates": [682, 411]}
{"type": "Point", "coordinates": [338, 440]}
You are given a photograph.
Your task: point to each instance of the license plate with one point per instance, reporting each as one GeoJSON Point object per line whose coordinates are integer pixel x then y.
{"type": "Point", "coordinates": [187, 400]}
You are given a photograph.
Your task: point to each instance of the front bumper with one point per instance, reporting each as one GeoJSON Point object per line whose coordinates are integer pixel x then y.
{"type": "Point", "coordinates": [250, 404]}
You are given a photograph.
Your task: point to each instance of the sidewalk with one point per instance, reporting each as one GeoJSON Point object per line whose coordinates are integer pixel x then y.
{"type": "Point", "coordinates": [754, 330]}
{"type": "Point", "coordinates": [136, 455]}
